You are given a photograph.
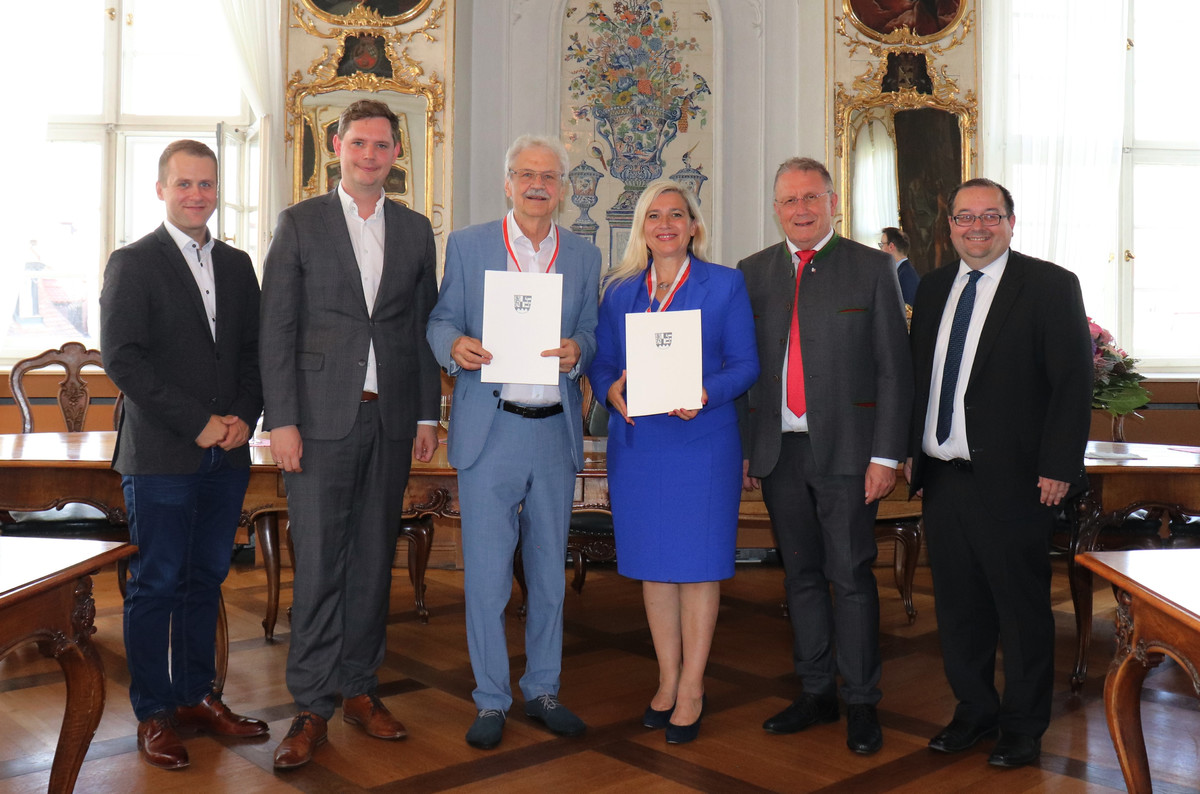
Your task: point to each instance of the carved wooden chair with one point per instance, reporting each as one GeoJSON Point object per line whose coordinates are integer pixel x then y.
{"type": "Point", "coordinates": [74, 399]}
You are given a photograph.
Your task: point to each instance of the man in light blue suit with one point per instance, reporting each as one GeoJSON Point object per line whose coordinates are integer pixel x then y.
{"type": "Point", "coordinates": [517, 447]}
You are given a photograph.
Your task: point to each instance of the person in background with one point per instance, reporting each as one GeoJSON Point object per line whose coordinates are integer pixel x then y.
{"type": "Point", "coordinates": [675, 479]}
{"type": "Point", "coordinates": [895, 243]}
{"type": "Point", "coordinates": [179, 335]}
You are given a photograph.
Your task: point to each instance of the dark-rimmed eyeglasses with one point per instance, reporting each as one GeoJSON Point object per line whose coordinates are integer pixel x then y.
{"type": "Point", "coordinates": [987, 219]}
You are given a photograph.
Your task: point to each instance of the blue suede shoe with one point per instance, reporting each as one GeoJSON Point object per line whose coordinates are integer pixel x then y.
{"type": "Point", "coordinates": [554, 715]}
{"type": "Point", "coordinates": [487, 730]}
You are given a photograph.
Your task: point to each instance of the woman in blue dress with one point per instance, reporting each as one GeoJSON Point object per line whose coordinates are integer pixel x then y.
{"type": "Point", "coordinates": [675, 478]}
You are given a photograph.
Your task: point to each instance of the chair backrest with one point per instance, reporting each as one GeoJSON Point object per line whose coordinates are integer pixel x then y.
{"type": "Point", "coordinates": [73, 396]}
{"type": "Point", "coordinates": [595, 412]}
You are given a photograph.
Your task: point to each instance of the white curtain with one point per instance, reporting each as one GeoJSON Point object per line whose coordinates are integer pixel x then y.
{"type": "Point", "coordinates": [874, 191]}
{"type": "Point", "coordinates": [1052, 120]}
{"type": "Point", "coordinates": [257, 30]}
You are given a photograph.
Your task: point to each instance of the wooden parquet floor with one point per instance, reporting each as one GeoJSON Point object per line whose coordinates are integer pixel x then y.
{"type": "Point", "coordinates": [609, 675]}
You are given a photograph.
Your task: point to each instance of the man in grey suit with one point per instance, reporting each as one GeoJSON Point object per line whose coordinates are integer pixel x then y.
{"type": "Point", "coordinates": [179, 331]}
{"type": "Point", "coordinates": [517, 447]}
{"type": "Point", "coordinates": [825, 427]}
{"type": "Point", "coordinates": [352, 393]}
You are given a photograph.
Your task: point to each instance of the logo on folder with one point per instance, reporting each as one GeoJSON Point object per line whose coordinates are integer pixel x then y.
{"type": "Point", "coordinates": [522, 303]}
{"type": "Point", "coordinates": [662, 339]}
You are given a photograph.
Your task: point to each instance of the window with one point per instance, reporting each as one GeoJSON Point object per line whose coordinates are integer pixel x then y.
{"type": "Point", "coordinates": [128, 77]}
{"type": "Point", "coordinates": [1085, 121]}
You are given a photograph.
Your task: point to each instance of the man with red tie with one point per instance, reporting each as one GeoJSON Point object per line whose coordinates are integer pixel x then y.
{"type": "Point", "coordinates": [824, 428]}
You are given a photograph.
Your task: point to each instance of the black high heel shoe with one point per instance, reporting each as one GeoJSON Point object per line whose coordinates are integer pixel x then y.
{"type": "Point", "coordinates": [682, 734]}
{"type": "Point", "coordinates": [653, 718]}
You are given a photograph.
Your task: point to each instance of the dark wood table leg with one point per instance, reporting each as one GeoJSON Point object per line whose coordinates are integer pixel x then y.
{"type": "Point", "coordinates": [419, 533]}
{"type": "Point", "coordinates": [84, 674]}
{"type": "Point", "coordinates": [1083, 516]}
{"type": "Point", "coordinates": [1122, 699]}
{"type": "Point", "coordinates": [222, 646]}
{"type": "Point", "coordinates": [266, 531]}
{"type": "Point", "coordinates": [908, 549]}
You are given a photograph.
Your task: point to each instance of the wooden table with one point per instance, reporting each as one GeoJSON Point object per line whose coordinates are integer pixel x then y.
{"type": "Point", "coordinates": [42, 471]}
{"type": "Point", "coordinates": [46, 597]}
{"type": "Point", "coordinates": [1162, 472]}
{"type": "Point", "coordinates": [1158, 614]}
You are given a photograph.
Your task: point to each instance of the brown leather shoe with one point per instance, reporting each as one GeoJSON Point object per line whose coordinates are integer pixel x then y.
{"type": "Point", "coordinates": [306, 735]}
{"type": "Point", "coordinates": [368, 712]}
{"type": "Point", "coordinates": [213, 716]}
{"type": "Point", "coordinates": [160, 744]}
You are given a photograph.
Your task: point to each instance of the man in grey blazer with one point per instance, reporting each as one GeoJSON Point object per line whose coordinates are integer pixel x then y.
{"type": "Point", "coordinates": [517, 447]}
{"type": "Point", "coordinates": [825, 427]}
{"type": "Point", "coordinates": [352, 394]}
{"type": "Point", "coordinates": [179, 334]}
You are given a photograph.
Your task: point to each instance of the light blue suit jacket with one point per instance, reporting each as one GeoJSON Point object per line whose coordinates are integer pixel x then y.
{"type": "Point", "coordinates": [459, 312]}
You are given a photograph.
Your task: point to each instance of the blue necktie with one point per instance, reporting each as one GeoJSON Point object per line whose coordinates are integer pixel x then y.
{"type": "Point", "coordinates": [954, 352]}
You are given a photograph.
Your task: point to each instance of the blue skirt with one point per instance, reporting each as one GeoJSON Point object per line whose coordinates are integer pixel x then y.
{"type": "Point", "coordinates": [675, 505]}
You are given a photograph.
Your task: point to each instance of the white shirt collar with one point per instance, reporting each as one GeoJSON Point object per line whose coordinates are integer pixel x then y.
{"type": "Point", "coordinates": [515, 234]}
{"type": "Point", "coordinates": [793, 248]}
{"type": "Point", "coordinates": [184, 240]}
{"type": "Point", "coordinates": [993, 269]}
{"type": "Point", "coordinates": [350, 206]}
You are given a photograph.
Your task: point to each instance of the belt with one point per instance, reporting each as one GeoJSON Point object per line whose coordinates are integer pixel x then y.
{"type": "Point", "coordinates": [958, 464]}
{"type": "Point", "coordinates": [532, 412]}
{"type": "Point", "coordinates": [369, 396]}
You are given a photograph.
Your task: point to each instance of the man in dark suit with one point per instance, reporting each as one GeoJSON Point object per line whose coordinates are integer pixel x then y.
{"type": "Point", "coordinates": [179, 334]}
{"type": "Point", "coordinates": [517, 446]}
{"type": "Point", "coordinates": [824, 431]}
{"type": "Point", "coordinates": [1003, 365]}
{"type": "Point", "coordinates": [352, 394]}
{"type": "Point", "coordinates": [895, 243]}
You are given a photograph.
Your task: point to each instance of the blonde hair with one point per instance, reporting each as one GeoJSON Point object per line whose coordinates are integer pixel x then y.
{"type": "Point", "coordinates": [637, 253]}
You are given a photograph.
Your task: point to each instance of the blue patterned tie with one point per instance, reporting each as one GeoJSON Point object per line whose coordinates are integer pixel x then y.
{"type": "Point", "coordinates": [954, 352]}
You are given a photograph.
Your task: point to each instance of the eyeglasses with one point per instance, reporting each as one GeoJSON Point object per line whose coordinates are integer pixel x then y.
{"type": "Point", "coordinates": [882, 244]}
{"type": "Point", "coordinates": [528, 177]}
{"type": "Point", "coordinates": [808, 201]}
{"type": "Point", "coordinates": [987, 219]}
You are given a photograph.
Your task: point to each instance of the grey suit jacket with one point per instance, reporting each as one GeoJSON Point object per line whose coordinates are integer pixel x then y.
{"type": "Point", "coordinates": [159, 351]}
{"type": "Point", "coordinates": [317, 331]}
{"type": "Point", "coordinates": [459, 312]}
{"type": "Point", "coordinates": [857, 373]}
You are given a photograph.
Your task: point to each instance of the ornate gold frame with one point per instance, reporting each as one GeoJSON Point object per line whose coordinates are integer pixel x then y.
{"type": "Point", "coordinates": [867, 100]}
{"type": "Point", "coordinates": [366, 17]}
{"type": "Point", "coordinates": [903, 35]}
{"type": "Point", "coordinates": [406, 78]}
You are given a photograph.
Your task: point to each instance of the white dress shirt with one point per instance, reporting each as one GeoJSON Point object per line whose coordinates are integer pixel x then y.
{"type": "Point", "coordinates": [530, 261]}
{"type": "Point", "coordinates": [367, 238]}
{"type": "Point", "coordinates": [985, 290]}
{"type": "Point", "coordinates": [199, 261]}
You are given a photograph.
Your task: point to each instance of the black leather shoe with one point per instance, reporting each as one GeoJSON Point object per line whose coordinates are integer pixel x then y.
{"type": "Point", "coordinates": [805, 711]}
{"type": "Point", "coordinates": [961, 735]}
{"type": "Point", "coordinates": [1015, 750]}
{"type": "Point", "coordinates": [863, 734]}
{"type": "Point", "coordinates": [682, 734]}
{"type": "Point", "coordinates": [653, 718]}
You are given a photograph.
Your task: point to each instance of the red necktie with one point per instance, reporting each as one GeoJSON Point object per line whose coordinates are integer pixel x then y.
{"type": "Point", "coordinates": [795, 381]}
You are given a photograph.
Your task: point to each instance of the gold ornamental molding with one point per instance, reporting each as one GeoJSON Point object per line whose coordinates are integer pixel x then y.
{"type": "Point", "coordinates": [902, 38]}
{"type": "Point", "coordinates": [365, 13]}
{"type": "Point", "coordinates": [390, 34]}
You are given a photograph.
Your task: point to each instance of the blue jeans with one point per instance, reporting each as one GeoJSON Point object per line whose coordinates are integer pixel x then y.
{"type": "Point", "coordinates": [183, 525]}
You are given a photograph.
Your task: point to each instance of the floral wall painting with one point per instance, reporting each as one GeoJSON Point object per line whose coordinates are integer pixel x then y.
{"type": "Point", "coordinates": [636, 99]}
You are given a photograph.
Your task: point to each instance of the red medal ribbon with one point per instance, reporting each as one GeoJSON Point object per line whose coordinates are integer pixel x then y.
{"type": "Point", "coordinates": [680, 278]}
{"type": "Point", "coordinates": [513, 254]}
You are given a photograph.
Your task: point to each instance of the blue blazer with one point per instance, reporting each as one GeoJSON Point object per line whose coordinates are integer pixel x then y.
{"type": "Point", "coordinates": [459, 312]}
{"type": "Point", "coordinates": [730, 356]}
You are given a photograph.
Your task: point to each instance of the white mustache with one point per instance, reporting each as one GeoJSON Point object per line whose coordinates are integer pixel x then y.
{"type": "Point", "coordinates": [536, 192]}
